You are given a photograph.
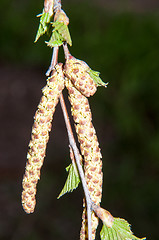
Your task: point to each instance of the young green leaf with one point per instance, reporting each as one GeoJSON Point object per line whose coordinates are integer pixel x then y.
{"type": "Point", "coordinates": [62, 29]}
{"type": "Point", "coordinates": [44, 26]}
{"type": "Point", "coordinates": [55, 40]}
{"type": "Point", "coordinates": [72, 181]}
{"type": "Point", "coordinates": [120, 230]}
{"type": "Point", "coordinates": [95, 76]}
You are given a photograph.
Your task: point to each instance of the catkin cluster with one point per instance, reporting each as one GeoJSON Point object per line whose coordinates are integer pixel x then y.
{"type": "Point", "coordinates": [87, 138]}
{"type": "Point", "coordinates": [40, 135]}
{"type": "Point", "coordinates": [75, 76]}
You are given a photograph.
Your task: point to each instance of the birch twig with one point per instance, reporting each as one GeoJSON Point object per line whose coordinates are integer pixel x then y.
{"type": "Point", "coordinates": [75, 149]}
{"type": "Point", "coordinates": [54, 60]}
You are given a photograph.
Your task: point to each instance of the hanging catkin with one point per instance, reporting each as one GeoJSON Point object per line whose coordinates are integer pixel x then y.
{"type": "Point", "coordinates": [90, 150]}
{"type": "Point", "coordinates": [39, 137]}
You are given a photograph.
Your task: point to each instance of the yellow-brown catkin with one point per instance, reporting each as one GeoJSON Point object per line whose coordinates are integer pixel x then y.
{"type": "Point", "coordinates": [77, 71]}
{"type": "Point", "coordinates": [90, 150]}
{"type": "Point", "coordinates": [40, 136]}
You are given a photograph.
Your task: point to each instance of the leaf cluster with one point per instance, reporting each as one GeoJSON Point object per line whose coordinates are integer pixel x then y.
{"type": "Point", "coordinates": [58, 32]}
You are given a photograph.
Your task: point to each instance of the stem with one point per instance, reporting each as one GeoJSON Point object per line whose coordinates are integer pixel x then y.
{"type": "Point", "coordinates": [80, 169]}
{"type": "Point", "coordinates": [54, 60]}
{"type": "Point", "coordinates": [74, 147]}
{"type": "Point", "coordinates": [66, 51]}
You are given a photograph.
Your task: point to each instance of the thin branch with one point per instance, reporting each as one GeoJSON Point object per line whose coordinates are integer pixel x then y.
{"type": "Point", "coordinates": [104, 215]}
{"type": "Point", "coordinates": [74, 148]}
{"type": "Point", "coordinates": [54, 60]}
{"type": "Point", "coordinates": [79, 166]}
{"type": "Point", "coordinates": [66, 51]}
{"type": "Point", "coordinates": [72, 156]}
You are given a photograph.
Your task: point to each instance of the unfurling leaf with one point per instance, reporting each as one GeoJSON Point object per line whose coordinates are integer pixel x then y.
{"type": "Point", "coordinates": [55, 40]}
{"type": "Point", "coordinates": [44, 26]}
{"type": "Point", "coordinates": [120, 230]}
{"type": "Point", "coordinates": [59, 35]}
{"type": "Point", "coordinates": [95, 76]}
{"type": "Point", "coordinates": [72, 181]}
{"type": "Point", "coordinates": [62, 29]}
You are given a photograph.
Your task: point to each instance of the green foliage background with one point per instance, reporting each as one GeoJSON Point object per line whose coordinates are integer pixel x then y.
{"type": "Point", "coordinates": [124, 47]}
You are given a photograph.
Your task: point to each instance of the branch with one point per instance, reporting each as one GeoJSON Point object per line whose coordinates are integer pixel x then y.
{"type": "Point", "coordinates": [54, 60]}
{"type": "Point", "coordinates": [78, 162]}
{"type": "Point", "coordinates": [73, 146]}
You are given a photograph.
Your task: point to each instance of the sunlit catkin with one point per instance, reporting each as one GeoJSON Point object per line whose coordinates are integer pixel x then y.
{"type": "Point", "coordinates": [90, 150]}
{"type": "Point", "coordinates": [77, 71]}
{"type": "Point", "coordinates": [40, 135]}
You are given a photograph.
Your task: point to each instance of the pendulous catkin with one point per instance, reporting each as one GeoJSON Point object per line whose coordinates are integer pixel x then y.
{"type": "Point", "coordinates": [77, 71]}
{"type": "Point", "coordinates": [90, 150]}
{"type": "Point", "coordinates": [40, 135]}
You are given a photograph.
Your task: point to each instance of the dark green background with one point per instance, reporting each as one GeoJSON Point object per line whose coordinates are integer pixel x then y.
{"type": "Point", "coordinates": [124, 47]}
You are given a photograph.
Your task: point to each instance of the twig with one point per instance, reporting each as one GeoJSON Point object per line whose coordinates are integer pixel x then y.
{"type": "Point", "coordinates": [53, 61]}
{"type": "Point", "coordinates": [80, 169]}
{"type": "Point", "coordinates": [57, 7]}
{"type": "Point", "coordinates": [74, 148]}
{"type": "Point", "coordinates": [72, 156]}
{"type": "Point", "coordinates": [66, 51]}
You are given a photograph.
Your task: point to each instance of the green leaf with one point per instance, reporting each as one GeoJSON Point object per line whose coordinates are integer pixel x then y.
{"type": "Point", "coordinates": [120, 230]}
{"type": "Point", "coordinates": [55, 40]}
{"type": "Point", "coordinates": [62, 29]}
{"type": "Point", "coordinates": [95, 76]}
{"type": "Point", "coordinates": [44, 25]}
{"type": "Point", "coordinates": [72, 181]}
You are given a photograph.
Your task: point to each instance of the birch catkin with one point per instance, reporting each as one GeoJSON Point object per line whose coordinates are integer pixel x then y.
{"type": "Point", "coordinates": [39, 137]}
{"type": "Point", "coordinates": [90, 150]}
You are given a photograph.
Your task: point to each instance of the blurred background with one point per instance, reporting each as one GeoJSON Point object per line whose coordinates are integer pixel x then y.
{"type": "Point", "coordinates": [121, 40]}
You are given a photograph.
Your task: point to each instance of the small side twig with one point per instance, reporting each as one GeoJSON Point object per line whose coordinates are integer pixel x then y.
{"type": "Point", "coordinates": [53, 60]}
